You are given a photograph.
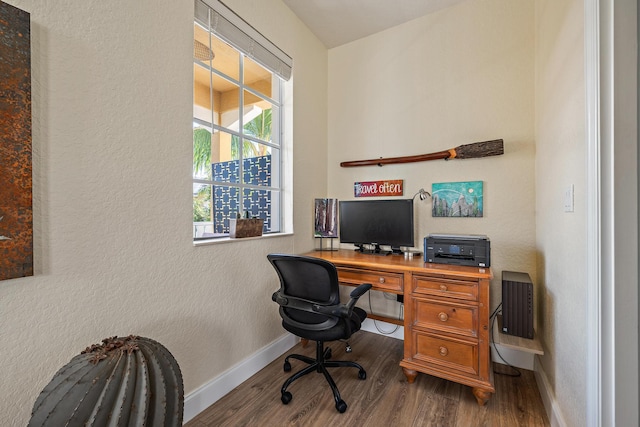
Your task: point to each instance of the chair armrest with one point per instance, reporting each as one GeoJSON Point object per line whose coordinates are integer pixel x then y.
{"type": "Point", "coordinates": [297, 303]}
{"type": "Point", "coordinates": [360, 290]}
{"type": "Point", "coordinates": [338, 310]}
{"type": "Point", "coordinates": [356, 294]}
{"type": "Point", "coordinates": [344, 310]}
{"type": "Point", "coordinates": [277, 297]}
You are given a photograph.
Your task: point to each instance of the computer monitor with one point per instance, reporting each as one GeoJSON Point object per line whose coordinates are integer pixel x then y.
{"type": "Point", "coordinates": [376, 223]}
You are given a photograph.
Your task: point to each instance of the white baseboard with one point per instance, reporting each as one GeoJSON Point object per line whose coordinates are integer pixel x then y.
{"type": "Point", "coordinates": [548, 397]}
{"type": "Point", "coordinates": [383, 328]}
{"type": "Point", "coordinates": [519, 359]}
{"type": "Point", "coordinates": [209, 393]}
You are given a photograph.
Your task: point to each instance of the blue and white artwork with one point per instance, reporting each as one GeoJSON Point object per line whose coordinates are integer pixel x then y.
{"type": "Point", "coordinates": [227, 203]}
{"type": "Point", "coordinates": [457, 199]}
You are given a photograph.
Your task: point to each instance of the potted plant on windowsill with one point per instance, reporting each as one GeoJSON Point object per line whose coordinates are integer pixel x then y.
{"type": "Point", "coordinates": [245, 227]}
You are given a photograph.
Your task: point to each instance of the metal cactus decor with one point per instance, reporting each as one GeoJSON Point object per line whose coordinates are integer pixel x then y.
{"type": "Point", "coordinates": [132, 381]}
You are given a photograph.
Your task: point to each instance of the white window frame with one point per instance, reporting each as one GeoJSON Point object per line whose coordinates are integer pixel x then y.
{"type": "Point", "coordinates": [279, 64]}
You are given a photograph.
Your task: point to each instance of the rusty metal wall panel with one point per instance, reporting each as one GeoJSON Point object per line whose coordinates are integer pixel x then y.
{"type": "Point", "coordinates": [16, 212]}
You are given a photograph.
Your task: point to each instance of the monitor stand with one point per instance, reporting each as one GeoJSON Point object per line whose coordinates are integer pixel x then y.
{"type": "Point", "coordinates": [322, 248]}
{"type": "Point", "coordinates": [375, 251]}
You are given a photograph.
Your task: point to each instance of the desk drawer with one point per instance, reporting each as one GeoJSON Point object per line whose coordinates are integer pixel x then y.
{"type": "Point", "coordinates": [447, 353]}
{"type": "Point", "coordinates": [448, 288]}
{"type": "Point", "coordinates": [381, 280]}
{"type": "Point", "coordinates": [445, 317]}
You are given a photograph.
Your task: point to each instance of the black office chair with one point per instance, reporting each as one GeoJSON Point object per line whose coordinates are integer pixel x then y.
{"type": "Point", "coordinates": [310, 308]}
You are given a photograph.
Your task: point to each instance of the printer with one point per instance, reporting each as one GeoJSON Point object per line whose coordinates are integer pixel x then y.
{"type": "Point", "coordinates": [457, 249]}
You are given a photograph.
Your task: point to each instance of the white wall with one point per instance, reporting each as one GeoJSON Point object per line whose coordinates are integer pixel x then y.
{"type": "Point", "coordinates": [561, 154]}
{"type": "Point", "coordinates": [112, 103]}
{"type": "Point", "coordinates": [615, 144]}
{"type": "Point", "coordinates": [457, 76]}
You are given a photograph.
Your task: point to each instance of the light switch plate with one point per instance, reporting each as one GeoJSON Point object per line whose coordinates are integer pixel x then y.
{"type": "Point", "coordinates": [568, 198]}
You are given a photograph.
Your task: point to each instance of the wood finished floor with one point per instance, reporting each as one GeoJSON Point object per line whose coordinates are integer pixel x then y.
{"type": "Point", "coordinates": [385, 398]}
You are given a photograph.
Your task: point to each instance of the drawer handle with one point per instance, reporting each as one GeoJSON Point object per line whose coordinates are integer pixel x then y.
{"type": "Point", "coordinates": [381, 279]}
{"type": "Point", "coordinates": [443, 351]}
{"type": "Point", "coordinates": [443, 317]}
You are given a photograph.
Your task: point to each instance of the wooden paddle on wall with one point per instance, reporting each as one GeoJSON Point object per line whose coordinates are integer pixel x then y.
{"type": "Point", "coordinates": [468, 151]}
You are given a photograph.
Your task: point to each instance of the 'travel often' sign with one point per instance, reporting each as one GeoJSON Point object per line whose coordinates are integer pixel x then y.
{"type": "Point", "coordinates": [378, 188]}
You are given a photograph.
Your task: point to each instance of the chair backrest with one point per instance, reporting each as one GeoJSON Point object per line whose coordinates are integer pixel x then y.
{"type": "Point", "coordinates": [307, 278]}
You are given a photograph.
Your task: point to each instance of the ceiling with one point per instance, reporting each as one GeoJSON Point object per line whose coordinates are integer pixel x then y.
{"type": "Point", "coordinates": [336, 22]}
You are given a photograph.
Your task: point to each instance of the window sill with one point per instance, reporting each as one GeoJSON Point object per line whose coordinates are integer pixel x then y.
{"type": "Point", "coordinates": [220, 240]}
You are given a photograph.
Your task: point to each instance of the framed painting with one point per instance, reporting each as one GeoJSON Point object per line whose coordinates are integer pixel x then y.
{"type": "Point", "coordinates": [457, 199]}
{"type": "Point", "coordinates": [16, 213]}
{"type": "Point", "coordinates": [326, 218]}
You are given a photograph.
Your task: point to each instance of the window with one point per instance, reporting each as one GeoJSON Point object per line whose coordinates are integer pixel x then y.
{"type": "Point", "coordinates": [237, 123]}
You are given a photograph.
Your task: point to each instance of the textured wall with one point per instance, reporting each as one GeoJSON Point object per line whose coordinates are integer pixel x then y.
{"type": "Point", "coordinates": [560, 162]}
{"type": "Point", "coordinates": [112, 139]}
{"type": "Point", "coordinates": [460, 75]}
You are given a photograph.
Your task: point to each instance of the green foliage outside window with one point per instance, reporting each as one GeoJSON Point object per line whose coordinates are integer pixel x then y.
{"type": "Point", "coordinates": [202, 152]}
{"type": "Point", "coordinates": [202, 204]}
{"type": "Point", "coordinates": [259, 127]}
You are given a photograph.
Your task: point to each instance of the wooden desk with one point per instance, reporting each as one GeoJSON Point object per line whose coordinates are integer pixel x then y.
{"type": "Point", "coordinates": [446, 314]}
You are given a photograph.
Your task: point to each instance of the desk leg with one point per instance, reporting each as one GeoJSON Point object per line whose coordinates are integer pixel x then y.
{"type": "Point", "coordinates": [410, 374]}
{"type": "Point", "coordinates": [304, 342]}
{"type": "Point", "coordinates": [482, 396]}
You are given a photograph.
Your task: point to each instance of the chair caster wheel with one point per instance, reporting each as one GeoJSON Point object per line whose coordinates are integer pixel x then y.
{"type": "Point", "coordinates": [286, 398]}
{"type": "Point", "coordinates": [287, 366]}
{"type": "Point", "coordinates": [362, 375]}
{"type": "Point", "coordinates": [327, 354]}
{"type": "Point", "coordinates": [341, 406]}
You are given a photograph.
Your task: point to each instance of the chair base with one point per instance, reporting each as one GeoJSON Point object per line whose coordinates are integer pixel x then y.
{"type": "Point", "coordinates": [319, 365]}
